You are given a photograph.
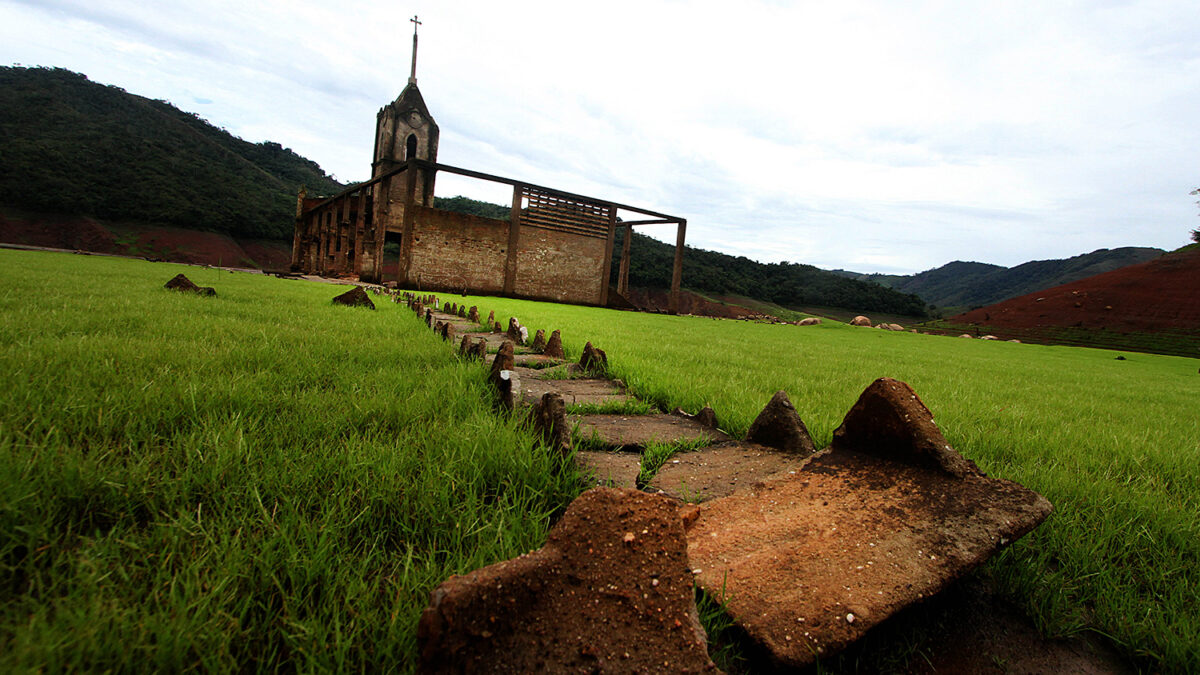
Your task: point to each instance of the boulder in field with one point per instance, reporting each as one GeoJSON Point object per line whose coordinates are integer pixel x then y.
{"type": "Point", "coordinates": [809, 321]}
{"type": "Point", "coordinates": [860, 321]}
{"type": "Point", "coordinates": [554, 346]}
{"type": "Point", "coordinates": [779, 426]}
{"type": "Point", "coordinates": [180, 282]}
{"type": "Point", "coordinates": [355, 297]}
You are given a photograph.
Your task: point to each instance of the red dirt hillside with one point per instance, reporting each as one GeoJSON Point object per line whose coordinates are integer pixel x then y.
{"type": "Point", "coordinates": [1158, 296]}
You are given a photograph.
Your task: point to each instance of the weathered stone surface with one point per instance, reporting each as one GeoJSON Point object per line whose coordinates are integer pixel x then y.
{"type": "Point", "coordinates": [504, 359]}
{"type": "Point", "coordinates": [575, 391]}
{"type": "Point", "coordinates": [428, 317]}
{"type": "Point", "coordinates": [779, 426]}
{"type": "Point", "coordinates": [437, 326]}
{"type": "Point", "coordinates": [707, 416]}
{"type": "Point", "coordinates": [539, 341]}
{"type": "Point", "coordinates": [464, 348]}
{"type": "Point", "coordinates": [355, 297]}
{"type": "Point", "coordinates": [554, 348]}
{"type": "Point", "coordinates": [860, 321]}
{"type": "Point", "coordinates": [180, 282]}
{"type": "Point", "coordinates": [491, 318]}
{"type": "Point", "coordinates": [462, 312]}
{"type": "Point", "coordinates": [895, 327]}
{"type": "Point", "coordinates": [473, 315]}
{"type": "Point", "coordinates": [550, 420]}
{"type": "Point", "coordinates": [609, 592]}
{"type": "Point", "coordinates": [809, 321]}
{"type": "Point", "coordinates": [890, 421]}
{"type": "Point", "coordinates": [809, 561]}
{"type": "Point", "coordinates": [514, 330]}
{"type": "Point", "coordinates": [720, 470]}
{"type": "Point", "coordinates": [508, 386]}
{"type": "Point", "coordinates": [593, 360]}
{"type": "Point", "coordinates": [611, 469]}
{"type": "Point", "coordinates": [447, 332]}
{"type": "Point", "coordinates": [635, 431]}
{"type": "Point", "coordinates": [496, 328]}
{"type": "Point", "coordinates": [967, 335]}
{"type": "Point", "coordinates": [478, 350]}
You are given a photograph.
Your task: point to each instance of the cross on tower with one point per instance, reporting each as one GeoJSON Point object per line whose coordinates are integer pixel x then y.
{"type": "Point", "coordinates": [412, 77]}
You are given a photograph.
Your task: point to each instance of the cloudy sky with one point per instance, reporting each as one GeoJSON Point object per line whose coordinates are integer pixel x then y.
{"type": "Point", "coordinates": [873, 136]}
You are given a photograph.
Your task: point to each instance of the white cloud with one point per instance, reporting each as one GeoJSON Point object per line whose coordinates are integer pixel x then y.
{"type": "Point", "coordinates": [863, 135]}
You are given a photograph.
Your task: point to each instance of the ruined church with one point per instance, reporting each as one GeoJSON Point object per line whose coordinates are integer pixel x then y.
{"type": "Point", "coordinates": [555, 246]}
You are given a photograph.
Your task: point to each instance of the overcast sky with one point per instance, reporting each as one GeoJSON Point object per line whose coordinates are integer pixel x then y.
{"type": "Point", "coordinates": [873, 136]}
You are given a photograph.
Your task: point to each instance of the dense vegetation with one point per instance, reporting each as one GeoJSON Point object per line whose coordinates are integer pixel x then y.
{"type": "Point", "coordinates": [972, 284]}
{"type": "Point", "coordinates": [787, 284]}
{"type": "Point", "coordinates": [77, 147]}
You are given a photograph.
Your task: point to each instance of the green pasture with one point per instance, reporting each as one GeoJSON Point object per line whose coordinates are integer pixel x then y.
{"type": "Point", "coordinates": [255, 481]}
{"type": "Point", "coordinates": [262, 480]}
{"type": "Point", "coordinates": [1114, 444]}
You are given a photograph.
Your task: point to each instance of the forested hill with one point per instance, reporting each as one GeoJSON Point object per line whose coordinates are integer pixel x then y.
{"type": "Point", "coordinates": [788, 284]}
{"type": "Point", "coordinates": [972, 284]}
{"type": "Point", "coordinates": [69, 145]}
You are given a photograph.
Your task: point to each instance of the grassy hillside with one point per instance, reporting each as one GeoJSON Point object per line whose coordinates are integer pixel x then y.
{"type": "Point", "coordinates": [76, 147]}
{"type": "Point", "coordinates": [972, 284]}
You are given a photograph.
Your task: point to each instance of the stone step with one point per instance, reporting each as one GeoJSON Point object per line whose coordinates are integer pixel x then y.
{"type": "Point", "coordinates": [574, 392]}
{"type": "Point", "coordinates": [809, 561]}
{"type": "Point", "coordinates": [720, 470]}
{"type": "Point", "coordinates": [614, 469]}
{"type": "Point", "coordinates": [635, 431]}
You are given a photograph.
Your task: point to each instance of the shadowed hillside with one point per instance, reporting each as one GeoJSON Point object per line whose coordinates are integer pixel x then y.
{"type": "Point", "coordinates": [76, 147]}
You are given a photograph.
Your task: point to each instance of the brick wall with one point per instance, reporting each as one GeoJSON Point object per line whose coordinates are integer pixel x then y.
{"type": "Point", "coordinates": [559, 266]}
{"type": "Point", "coordinates": [452, 251]}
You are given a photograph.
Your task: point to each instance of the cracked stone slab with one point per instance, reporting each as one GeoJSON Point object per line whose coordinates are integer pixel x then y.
{"type": "Point", "coordinates": [810, 561]}
{"type": "Point", "coordinates": [614, 469]}
{"type": "Point", "coordinates": [720, 470]}
{"type": "Point", "coordinates": [635, 431]}
{"type": "Point", "coordinates": [574, 391]}
{"type": "Point", "coordinates": [611, 591]}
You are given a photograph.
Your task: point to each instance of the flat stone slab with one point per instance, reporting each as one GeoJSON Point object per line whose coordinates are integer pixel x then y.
{"type": "Point", "coordinates": [610, 591]}
{"type": "Point", "coordinates": [573, 391]}
{"type": "Point", "coordinates": [535, 361]}
{"type": "Point", "coordinates": [721, 470]}
{"type": "Point", "coordinates": [810, 561]}
{"type": "Point", "coordinates": [615, 469]}
{"type": "Point", "coordinates": [635, 431]}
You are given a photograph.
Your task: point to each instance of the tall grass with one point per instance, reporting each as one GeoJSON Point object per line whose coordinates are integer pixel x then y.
{"type": "Point", "coordinates": [1114, 444]}
{"type": "Point", "coordinates": [257, 480]}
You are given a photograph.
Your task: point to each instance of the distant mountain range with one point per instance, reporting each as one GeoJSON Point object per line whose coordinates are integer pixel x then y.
{"type": "Point", "coordinates": [962, 285]}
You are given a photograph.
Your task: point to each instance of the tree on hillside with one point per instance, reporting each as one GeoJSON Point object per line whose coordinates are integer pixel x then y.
{"type": "Point", "coordinates": [1196, 232]}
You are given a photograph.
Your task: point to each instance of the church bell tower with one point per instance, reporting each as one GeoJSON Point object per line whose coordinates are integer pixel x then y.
{"type": "Point", "coordinates": [405, 130]}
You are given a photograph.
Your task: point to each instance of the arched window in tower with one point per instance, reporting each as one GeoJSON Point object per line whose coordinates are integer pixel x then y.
{"type": "Point", "coordinates": [410, 147]}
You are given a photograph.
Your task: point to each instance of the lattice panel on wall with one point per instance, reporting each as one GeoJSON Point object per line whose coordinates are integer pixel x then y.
{"type": "Point", "coordinates": [554, 212]}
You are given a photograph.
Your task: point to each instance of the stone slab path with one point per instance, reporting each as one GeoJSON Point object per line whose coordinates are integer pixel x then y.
{"type": "Point", "coordinates": [809, 549]}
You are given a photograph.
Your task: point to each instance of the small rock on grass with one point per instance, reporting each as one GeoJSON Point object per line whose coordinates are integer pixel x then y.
{"type": "Point", "coordinates": [181, 283]}
{"type": "Point", "coordinates": [355, 297]}
{"type": "Point", "coordinates": [779, 426]}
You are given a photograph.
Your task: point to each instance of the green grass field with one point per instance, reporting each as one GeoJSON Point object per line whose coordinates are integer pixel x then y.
{"type": "Point", "coordinates": [1114, 444]}
{"type": "Point", "coordinates": [256, 481]}
{"type": "Point", "coordinates": [263, 478]}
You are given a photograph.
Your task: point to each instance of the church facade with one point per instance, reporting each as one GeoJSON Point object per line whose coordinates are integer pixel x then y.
{"type": "Point", "coordinates": [555, 245]}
